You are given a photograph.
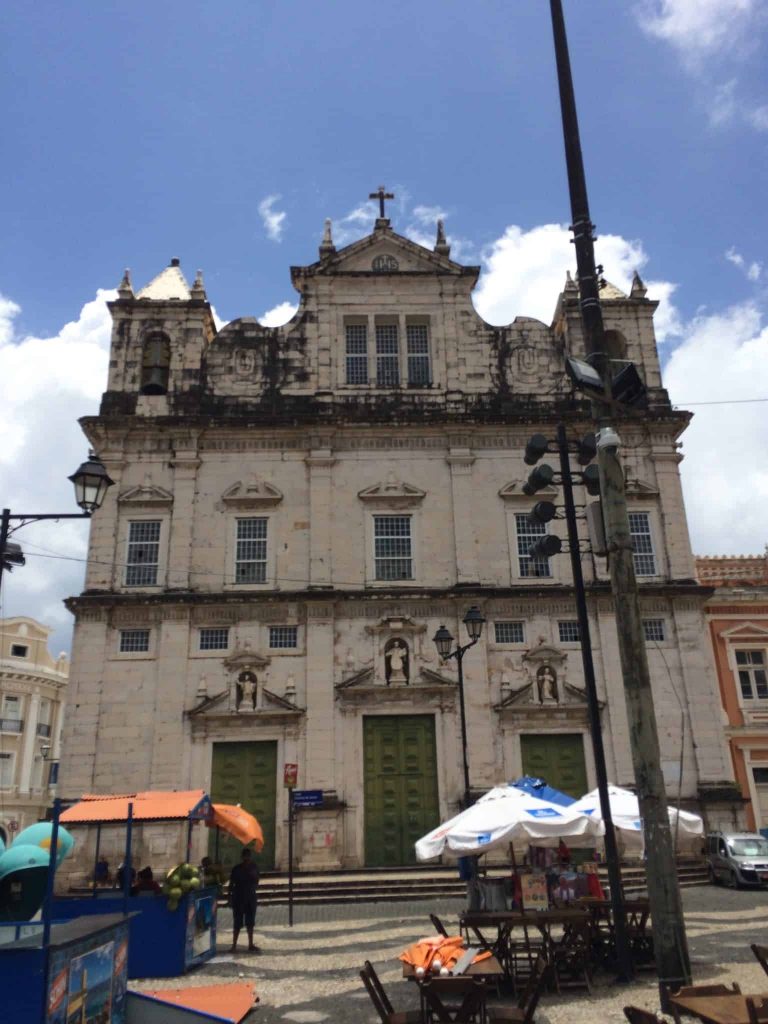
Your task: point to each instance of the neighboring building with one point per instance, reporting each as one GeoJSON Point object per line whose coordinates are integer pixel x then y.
{"type": "Point", "coordinates": [32, 694]}
{"type": "Point", "coordinates": [298, 509]}
{"type": "Point", "coordinates": [737, 615]}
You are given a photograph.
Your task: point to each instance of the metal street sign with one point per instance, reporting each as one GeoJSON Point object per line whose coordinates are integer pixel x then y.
{"type": "Point", "coordinates": [307, 797]}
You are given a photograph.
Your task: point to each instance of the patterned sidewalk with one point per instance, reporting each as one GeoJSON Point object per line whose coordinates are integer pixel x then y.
{"type": "Point", "coordinates": [309, 973]}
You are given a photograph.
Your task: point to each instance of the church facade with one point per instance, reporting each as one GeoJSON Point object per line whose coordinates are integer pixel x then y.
{"type": "Point", "coordinates": [298, 509]}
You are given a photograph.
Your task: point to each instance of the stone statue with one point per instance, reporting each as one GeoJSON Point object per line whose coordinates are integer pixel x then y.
{"type": "Point", "coordinates": [547, 681]}
{"type": "Point", "coordinates": [397, 656]}
{"type": "Point", "coordinates": [246, 691]}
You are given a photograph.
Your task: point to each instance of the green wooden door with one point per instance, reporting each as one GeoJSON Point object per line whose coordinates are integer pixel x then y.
{"type": "Point", "coordinates": [401, 801]}
{"type": "Point", "coordinates": [246, 774]}
{"type": "Point", "coordinates": [558, 758]}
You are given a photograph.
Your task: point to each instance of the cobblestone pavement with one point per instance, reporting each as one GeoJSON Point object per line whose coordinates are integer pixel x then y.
{"type": "Point", "coordinates": [309, 973]}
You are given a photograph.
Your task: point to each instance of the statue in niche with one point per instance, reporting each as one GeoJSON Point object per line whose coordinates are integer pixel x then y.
{"type": "Point", "coordinates": [396, 663]}
{"type": "Point", "coordinates": [244, 361]}
{"type": "Point", "coordinates": [245, 696]}
{"type": "Point", "coordinates": [547, 683]}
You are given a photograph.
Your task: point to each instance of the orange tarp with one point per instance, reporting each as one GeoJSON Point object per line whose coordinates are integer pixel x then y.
{"type": "Point", "coordinates": [230, 1001]}
{"type": "Point", "coordinates": [149, 806]}
{"type": "Point", "coordinates": [239, 823]}
{"type": "Point", "coordinates": [447, 950]}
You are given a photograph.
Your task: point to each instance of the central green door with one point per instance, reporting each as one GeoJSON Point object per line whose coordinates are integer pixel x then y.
{"type": "Point", "coordinates": [245, 774]}
{"type": "Point", "coordinates": [401, 802]}
{"type": "Point", "coordinates": [558, 758]}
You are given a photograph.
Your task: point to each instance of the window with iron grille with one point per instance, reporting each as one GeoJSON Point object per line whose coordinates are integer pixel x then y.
{"type": "Point", "coordinates": [642, 543]}
{"type": "Point", "coordinates": [283, 636]}
{"type": "Point", "coordinates": [392, 547]}
{"type": "Point", "coordinates": [569, 632]}
{"type": "Point", "coordinates": [654, 630]}
{"type": "Point", "coordinates": [143, 553]}
{"type": "Point", "coordinates": [357, 353]}
{"type": "Point", "coordinates": [528, 532]}
{"type": "Point", "coordinates": [214, 638]}
{"type": "Point", "coordinates": [417, 338]}
{"type": "Point", "coordinates": [751, 667]}
{"type": "Point", "coordinates": [387, 357]}
{"type": "Point", "coordinates": [251, 553]}
{"type": "Point", "coordinates": [134, 641]}
{"type": "Point", "coordinates": [509, 632]}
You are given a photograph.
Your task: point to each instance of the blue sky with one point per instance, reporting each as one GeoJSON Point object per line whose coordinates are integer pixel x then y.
{"type": "Point", "coordinates": [226, 133]}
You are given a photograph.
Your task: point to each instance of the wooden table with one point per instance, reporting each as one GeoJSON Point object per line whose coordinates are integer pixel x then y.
{"type": "Point", "coordinates": [716, 1009]}
{"type": "Point", "coordinates": [488, 968]}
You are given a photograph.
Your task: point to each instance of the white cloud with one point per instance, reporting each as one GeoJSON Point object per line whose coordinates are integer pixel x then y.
{"type": "Point", "coordinates": [274, 220]}
{"type": "Point", "coordinates": [725, 473]}
{"type": "Point", "coordinates": [751, 271]}
{"type": "Point", "coordinates": [697, 27]}
{"type": "Point", "coordinates": [278, 315]}
{"type": "Point", "coordinates": [47, 384]}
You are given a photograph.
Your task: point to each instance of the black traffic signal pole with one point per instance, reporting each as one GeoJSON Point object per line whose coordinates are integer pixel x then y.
{"type": "Point", "coordinates": [670, 943]}
{"type": "Point", "coordinates": [623, 955]}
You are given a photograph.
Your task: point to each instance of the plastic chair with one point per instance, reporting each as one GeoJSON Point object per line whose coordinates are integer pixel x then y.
{"type": "Point", "coordinates": [381, 1001]}
{"type": "Point", "coordinates": [761, 954]}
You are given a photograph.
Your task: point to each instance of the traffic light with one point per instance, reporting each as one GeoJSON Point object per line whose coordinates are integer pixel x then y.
{"type": "Point", "coordinates": [540, 478]}
{"type": "Point", "coordinates": [591, 479]}
{"type": "Point", "coordinates": [535, 449]}
{"type": "Point", "coordinates": [543, 512]}
{"type": "Point", "coordinates": [587, 449]}
{"type": "Point", "coordinates": [546, 547]}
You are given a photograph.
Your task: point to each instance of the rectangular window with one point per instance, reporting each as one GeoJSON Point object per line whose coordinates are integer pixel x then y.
{"type": "Point", "coordinates": [528, 532]}
{"type": "Point", "coordinates": [642, 543]}
{"type": "Point", "coordinates": [509, 632]}
{"type": "Point", "coordinates": [11, 706]}
{"type": "Point", "coordinates": [134, 641]}
{"type": "Point", "coordinates": [19, 650]}
{"type": "Point", "coordinates": [417, 337]}
{"type": "Point", "coordinates": [392, 547]}
{"type": "Point", "coordinates": [143, 553]}
{"type": "Point", "coordinates": [44, 718]}
{"type": "Point", "coordinates": [654, 630]}
{"type": "Point", "coordinates": [283, 636]}
{"type": "Point", "coordinates": [387, 359]}
{"type": "Point", "coordinates": [751, 667]}
{"type": "Point", "coordinates": [6, 771]}
{"type": "Point", "coordinates": [569, 632]}
{"type": "Point", "coordinates": [214, 639]}
{"type": "Point", "coordinates": [357, 353]}
{"type": "Point", "coordinates": [251, 554]}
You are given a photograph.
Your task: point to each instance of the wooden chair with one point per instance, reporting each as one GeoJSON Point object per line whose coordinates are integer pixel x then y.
{"type": "Point", "coordinates": [439, 926]}
{"type": "Point", "coordinates": [380, 1000]}
{"type": "Point", "coordinates": [528, 1001]}
{"type": "Point", "coordinates": [471, 1009]}
{"type": "Point", "coordinates": [757, 1008]}
{"type": "Point", "coordinates": [572, 956]}
{"type": "Point", "coordinates": [700, 990]}
{"type": "Point", "coordinates": [761, 954]}
{"type": "Point", "coordinates": [637, 1016]}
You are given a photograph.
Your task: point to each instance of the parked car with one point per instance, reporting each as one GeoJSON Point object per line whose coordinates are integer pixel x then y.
{"type": "Point", "coordinates": [737, 858]}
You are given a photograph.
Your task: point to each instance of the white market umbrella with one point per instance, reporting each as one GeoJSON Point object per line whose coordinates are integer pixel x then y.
{"type": "Point", "coordinates": [625, 811]}
{"type": "Point", "coordinates": [506, 815]}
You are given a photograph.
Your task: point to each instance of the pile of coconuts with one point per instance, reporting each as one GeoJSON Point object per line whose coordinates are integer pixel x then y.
{"type": "Point", "coordinates": [179, 880]}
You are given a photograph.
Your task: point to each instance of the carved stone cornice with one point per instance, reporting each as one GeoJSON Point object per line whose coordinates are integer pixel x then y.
{"type": "Point", "coordinates": [392, 493]}
{"type": "Point", "coordinates": [146, 495]}
{"type": "Point", "coordinates": [254, 494]}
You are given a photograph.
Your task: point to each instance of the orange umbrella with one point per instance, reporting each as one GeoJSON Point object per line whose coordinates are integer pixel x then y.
{"type": "Point", "coordinates": [239, 823]}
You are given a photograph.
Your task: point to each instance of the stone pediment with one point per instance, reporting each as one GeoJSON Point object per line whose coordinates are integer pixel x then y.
{"type": "Point", "coordinates": [514, 490]}
{"type": "Point", "coordinates": [394, 492]}
{"type": "Point", "coordinates": [745, 631]}
{"type": "Point", "coordinates": [251, 494]}
{"type": "Point", "coordinates": [243, 658]}
{"type": "Point", "coordinates": [272, 705]}
{"type": "Point", "coordinates": [384, 252]}
{"type": "Point", "coordinates": [391, 624]}
{"type": "Point", "coordinates": [640, 489]}
{"type": "Point", "coordinates": [364, 689]}
{"type": "Point", "coordinates": [147, 494]}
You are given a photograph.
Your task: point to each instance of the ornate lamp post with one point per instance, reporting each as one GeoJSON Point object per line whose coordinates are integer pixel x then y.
{"type": "Point", "coordinates": [474, 621]}
{"type": "Point", "coordinates": [91, 483]}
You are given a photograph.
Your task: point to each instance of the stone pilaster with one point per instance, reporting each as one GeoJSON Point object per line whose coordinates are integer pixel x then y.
{"type": "Point", "coordinates": [320, 463]}
{"type": "Point", "coordinates": [461, 460]}
{"type": "Point", "coordinates": [319, 772]}
{"type": "Point", "coordinates": [185, 464]}
{"type": "Point", "coordinates": [676, 537]}
{"type": "Point", "coordinates": [31, 715]}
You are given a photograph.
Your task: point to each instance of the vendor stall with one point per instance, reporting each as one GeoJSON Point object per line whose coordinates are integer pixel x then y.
{"type": "Point", "coordinates": [687, 828]}
{"type": "Point", "coordinates": [172, 930]}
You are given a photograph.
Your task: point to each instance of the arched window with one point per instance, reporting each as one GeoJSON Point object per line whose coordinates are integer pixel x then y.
{"type": "Point", "coordinates": [615, 345]}
{"type": "Point", "coordinates": [155, 362]}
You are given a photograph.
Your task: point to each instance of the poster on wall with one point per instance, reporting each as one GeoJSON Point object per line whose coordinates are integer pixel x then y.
{"type": "Point", "coordinates": [87, 980]}
{"type": "Point", "coordinates": [201, 928]}
{"type": "Point", "coordinates": [534, 892]}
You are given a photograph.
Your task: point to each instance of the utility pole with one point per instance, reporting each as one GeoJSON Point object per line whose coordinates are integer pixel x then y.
{"type": "Point", "coordinates": [670, 943]}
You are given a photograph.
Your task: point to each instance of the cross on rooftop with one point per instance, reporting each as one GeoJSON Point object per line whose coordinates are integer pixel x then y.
{"type": "Point", "coordinates": [381, 195]}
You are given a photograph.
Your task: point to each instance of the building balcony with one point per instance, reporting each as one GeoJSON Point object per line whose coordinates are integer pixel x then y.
{"type": "Point", "coordinates": [11, 725]}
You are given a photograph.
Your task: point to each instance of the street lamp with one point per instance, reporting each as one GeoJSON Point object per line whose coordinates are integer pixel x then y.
{"type": "Point", "coordinates": [91, 482]}
{"type": "Point", "coordinates": [443, 640]}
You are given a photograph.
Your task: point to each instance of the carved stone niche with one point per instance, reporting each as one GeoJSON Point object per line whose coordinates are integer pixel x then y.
{"type": "Point", "coordinates": [545, 693]}
{"type": "Point", "coordinates": [399, 643]}
{"type": "Point", "coordinates": [247, 674]}
{"type": "Point", "coordinates": [545, 667]}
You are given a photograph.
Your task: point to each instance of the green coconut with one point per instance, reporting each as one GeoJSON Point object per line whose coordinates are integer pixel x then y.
{"type": "Point", "coordinates": [194, 883]}
{"type": "Point", "coordinates": [176, 893]}
{"type": "Point", "coordinates": [173, 905]}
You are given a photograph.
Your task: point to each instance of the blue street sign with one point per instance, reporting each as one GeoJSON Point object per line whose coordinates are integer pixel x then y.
{"type": "Point", "coordinates": [307, 797]}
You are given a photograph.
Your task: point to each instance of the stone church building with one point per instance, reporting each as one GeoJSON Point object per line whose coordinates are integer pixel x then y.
{"type": "Point", "coordinates": [296, 512]}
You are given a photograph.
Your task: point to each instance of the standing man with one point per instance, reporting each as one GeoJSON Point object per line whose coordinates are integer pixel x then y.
{"type": "Point", "coordinates": [242, 897]}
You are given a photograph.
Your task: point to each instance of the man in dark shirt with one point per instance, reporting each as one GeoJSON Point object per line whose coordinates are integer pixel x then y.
{"type": "Point", "coordinates": [242, 896]}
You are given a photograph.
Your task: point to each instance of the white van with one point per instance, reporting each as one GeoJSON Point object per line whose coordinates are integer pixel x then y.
{"type": "Point", "coordinates": [737, 858]}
